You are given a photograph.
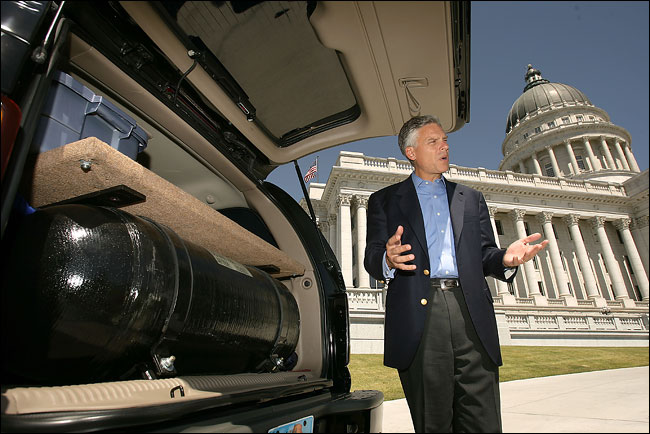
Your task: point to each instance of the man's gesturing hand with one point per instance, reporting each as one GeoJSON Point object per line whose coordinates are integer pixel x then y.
{"type": "Point", "coordinates": [521, 251]}
{"type": "Point", "coordinates": [394, 252]}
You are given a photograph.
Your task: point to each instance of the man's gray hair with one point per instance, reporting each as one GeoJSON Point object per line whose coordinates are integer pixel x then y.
{"type": "Point", "coordinates": [408, 134]}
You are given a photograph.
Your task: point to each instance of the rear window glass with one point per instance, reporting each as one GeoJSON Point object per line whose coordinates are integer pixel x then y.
{"type": "Point", "coordinates": [296, 85]}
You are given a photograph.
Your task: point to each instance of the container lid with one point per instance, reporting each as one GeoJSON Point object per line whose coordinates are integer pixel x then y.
{"type": "Point", "coordinates": [105, 109]}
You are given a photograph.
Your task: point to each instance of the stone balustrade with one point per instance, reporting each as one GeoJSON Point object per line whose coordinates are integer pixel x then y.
{"type": "Point", "coordinates": [366, 299]}
{"type": "Point", "coordinates": [578, 321]}
{"type": "Point", "coordinates": [461, 173]}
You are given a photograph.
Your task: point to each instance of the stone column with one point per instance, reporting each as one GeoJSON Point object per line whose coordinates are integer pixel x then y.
{"type": "Point", "coordinates": [502, 287]}
{"type": "Point", "coordinates": [572, 156]}
{"type": "Point", "coordinates": [608, 154]}
{"type": "Point", "coordinates": [538, 168]}
{"type": "Point", "coordinates": [522, 168]}
{"type": "Point", "coordinates": [591, 286]}
{"type": "Point", "coordinates": [324, 226]}
{"type": "Point", "coordinates": [529, 269]}
{"type": "Point", "coordinates": [623, 225]}
{"type": "Point", "coordinates": [630, 157]}
{"type": "Point", "coordinates": [545, 218]}
{"type": "Point", "coordinates": [620, 292]}
{"type": "Point", "coordinates": [345, 238]}
{"type": "Point", "coordinates": [362, 204]}
{"type": "Point", "coordinates": [639, 230]}
{"type": "Point", "coordinates": [333, 234]}
{"type": "Point", "coordinates": [595, 162]}
{"type": "Point", "coordinates": [619, 151]}
{"type": "Point", "coordinates": [556, 167]}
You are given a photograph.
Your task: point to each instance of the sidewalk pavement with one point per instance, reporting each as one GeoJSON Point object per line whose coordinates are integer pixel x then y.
{"type": "Point", "coordinates": [602, 401]}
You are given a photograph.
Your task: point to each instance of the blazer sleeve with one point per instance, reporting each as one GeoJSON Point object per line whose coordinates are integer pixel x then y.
{"type": "Point", "coordinates": [377, 236]}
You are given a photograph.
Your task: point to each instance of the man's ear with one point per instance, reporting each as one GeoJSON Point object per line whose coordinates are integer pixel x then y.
{"type": "Point", "coordinates": [410, 154]}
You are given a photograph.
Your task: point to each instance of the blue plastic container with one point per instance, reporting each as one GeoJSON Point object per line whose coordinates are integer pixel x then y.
{"type": "Point", "coordinates": [73, 112]}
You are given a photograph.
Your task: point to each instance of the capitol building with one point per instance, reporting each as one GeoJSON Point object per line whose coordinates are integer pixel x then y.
{"type": "Point", "coordinates": [568, 173]}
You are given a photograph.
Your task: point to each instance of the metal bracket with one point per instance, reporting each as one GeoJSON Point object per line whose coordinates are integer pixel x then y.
{"type": "Point", "coordinates": [115, 197]}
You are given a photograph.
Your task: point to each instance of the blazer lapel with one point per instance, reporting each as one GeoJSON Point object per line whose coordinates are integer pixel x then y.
{"type": "Point", "coordinates": [409, 206]}
{"type": "Point", "coordinates": [456, 209]}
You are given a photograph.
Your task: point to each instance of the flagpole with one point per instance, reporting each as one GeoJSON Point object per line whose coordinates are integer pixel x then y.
{"type": "Point", "coordinates": [317, 175]}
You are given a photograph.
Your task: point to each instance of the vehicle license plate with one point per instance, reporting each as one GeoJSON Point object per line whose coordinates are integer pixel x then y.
{"type": "Point", "coordinates": [306, 424]}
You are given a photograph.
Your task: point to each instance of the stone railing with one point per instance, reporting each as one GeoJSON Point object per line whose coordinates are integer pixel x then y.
{"type": "Point", "coordinates": [584, 321]}
{"type": "Point", "coordinates": [370, 299]}
{"type": "Point", "coordinates": [380, 163]}
{"type": "Point", "coordinates": [366, 299]}
{"type": "Point", "coordinates": [457, 173]}
{"type": "Point", "coordinates": [468, 174]}
{"type": "Point", "coordinates": [374, 299]}
{"type": "Point", "coordinates": [383, 164]}
{"type": "Point", "coordinates": [522, 323]}
{"type": "Point", "coordinates": [525, 301]}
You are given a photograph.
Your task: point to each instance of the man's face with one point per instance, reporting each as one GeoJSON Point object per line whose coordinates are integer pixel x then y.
{"type": "Point", "coordinates": [431, 155]}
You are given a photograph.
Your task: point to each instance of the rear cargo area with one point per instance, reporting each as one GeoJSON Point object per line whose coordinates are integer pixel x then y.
{"type": "Point", "coordinates": [228, 316]}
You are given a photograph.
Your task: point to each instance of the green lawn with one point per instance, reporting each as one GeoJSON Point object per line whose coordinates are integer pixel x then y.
{"type": "Point", "coordinates": [368, 371]}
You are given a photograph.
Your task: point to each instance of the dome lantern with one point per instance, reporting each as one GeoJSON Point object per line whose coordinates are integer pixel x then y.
{"type": "Point", "coordinates": [533, 78]}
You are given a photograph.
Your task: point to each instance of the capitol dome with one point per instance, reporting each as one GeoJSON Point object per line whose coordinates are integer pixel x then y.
{"type": "Point", "coordinates": [554, 130]}
{"type": "Point", "coordinates": [539, 93]}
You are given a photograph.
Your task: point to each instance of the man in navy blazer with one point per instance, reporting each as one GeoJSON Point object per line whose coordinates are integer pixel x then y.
{"type": "Point", "coordinates": [433, 241]}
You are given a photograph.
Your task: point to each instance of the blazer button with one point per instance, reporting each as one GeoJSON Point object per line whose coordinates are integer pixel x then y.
{"type": "Point", "coordinates": [426, 272]}
{"type": "Point", "coordinates": [423, 302]}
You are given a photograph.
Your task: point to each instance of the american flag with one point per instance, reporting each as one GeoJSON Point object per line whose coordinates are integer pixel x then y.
{"type": "Point", "coordinates": [311, 173]}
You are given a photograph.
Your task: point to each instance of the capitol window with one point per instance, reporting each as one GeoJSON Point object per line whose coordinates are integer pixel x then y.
{"type": "Point", "coordinates": [581, 162]}
{"type": "Point", "coordinates": [538, 129]}
{"type": "Point", "coordinates": [499, 227]}
{"type": "Point", "coordinates": [551, 124]}
{"type": "Point", "coordinates": [579, 118]}
{"type": "Point", "coordinates": [566, 120]}
{"type": "Point", "coordinates": [548, 168]}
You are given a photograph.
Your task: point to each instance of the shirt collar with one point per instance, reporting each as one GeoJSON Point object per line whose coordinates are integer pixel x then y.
{"type": "Point", "coordinates": [419, 183]}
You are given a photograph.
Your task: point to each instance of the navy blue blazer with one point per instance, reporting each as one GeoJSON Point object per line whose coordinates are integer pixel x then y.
{"type": "Point", "coordinates": [477, 256]}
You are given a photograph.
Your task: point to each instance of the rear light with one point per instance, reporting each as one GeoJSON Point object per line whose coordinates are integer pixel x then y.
{"type": "Point", "coordinates": [11, 116]}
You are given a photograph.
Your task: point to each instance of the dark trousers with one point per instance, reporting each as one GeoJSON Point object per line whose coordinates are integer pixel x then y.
{"type": "Point", "coordinates": [452, 384]}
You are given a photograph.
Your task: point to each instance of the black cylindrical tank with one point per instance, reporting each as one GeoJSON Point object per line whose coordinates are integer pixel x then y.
{"type": "Point", "coordinates": [97, 294]}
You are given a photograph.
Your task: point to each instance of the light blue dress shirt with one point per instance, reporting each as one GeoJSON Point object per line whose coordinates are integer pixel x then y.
{"type": "Point", "coordinates": [437, 227]}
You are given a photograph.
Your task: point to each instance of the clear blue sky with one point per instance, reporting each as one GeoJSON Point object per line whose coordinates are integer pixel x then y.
{"type": "Point", "coordinates": [600, 48]}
